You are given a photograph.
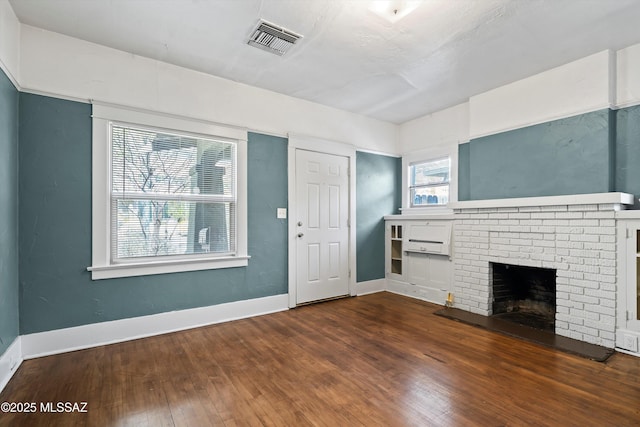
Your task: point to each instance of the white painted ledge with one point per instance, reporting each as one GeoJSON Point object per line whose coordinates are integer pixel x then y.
{"type": "Point", "coordinates": [10, 362]}
{"type": "Point", "coordinates": [96, 334]}
{"type": "Point", "coordinates": [163, 267]}
{"type": "Point", "coordinates": [428, 217]}
{"type": "Point", "coordinates": [573, 199]}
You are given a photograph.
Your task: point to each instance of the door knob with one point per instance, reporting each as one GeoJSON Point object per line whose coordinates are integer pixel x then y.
{"type": "Point", "coordinates": [299, 223]}
{"type": "Point", "coordinates": [300, 234]}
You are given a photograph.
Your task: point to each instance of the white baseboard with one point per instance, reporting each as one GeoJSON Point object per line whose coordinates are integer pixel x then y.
{"type": "Point", "coordinates": [401, 288]}
{"type": "Point", "coordinates": [10, 362]}
{"type": "Point", "coordinates": [96, 334]}
{"type": "Point", "coordinates": [628, 342]}
{"type": "Point", "coordinates": [417, 292]}
{"type": "Point", "coordinates": [630, 353]}
{"type": "Point", "coordinates": [371, 286]}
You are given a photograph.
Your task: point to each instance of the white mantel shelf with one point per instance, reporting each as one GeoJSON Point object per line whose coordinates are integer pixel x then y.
{"type": "Point", "coordinates": [573, 199]}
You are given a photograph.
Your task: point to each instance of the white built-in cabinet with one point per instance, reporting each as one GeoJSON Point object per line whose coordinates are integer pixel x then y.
{"type": "Point", "coordinates": [418, 256]}
{"type": "Point", "coordinates": [393, 247]}
{"type": "Point", "coordinates": [628, 312]}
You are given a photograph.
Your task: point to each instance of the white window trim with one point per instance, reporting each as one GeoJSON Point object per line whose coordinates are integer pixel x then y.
{"type": "Point", "coordinates": [102, 268]}
{"type": "Point", "coordinates": [432, 153]}
{"type": "Point", "coordinates": [421, 162]}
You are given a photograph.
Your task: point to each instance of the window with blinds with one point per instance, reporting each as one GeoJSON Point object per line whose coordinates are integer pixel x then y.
{"type": "Point", "coordinates": [172, 195]}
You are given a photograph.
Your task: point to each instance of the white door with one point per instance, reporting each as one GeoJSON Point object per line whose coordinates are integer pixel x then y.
{"type": "Point", "coordinates": [322, 226]}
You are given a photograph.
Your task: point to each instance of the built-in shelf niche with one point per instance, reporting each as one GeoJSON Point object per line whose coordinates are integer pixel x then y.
{"type": "Point", "coordinates": [396, 249]}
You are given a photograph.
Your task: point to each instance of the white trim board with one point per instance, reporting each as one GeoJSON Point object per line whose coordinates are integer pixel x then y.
{"type": "Point", "coordinates": [10, 76]}
{"type": "Point", "coordinates": [435, 152]}
{"type": "Point", "coordinates": [371, 287]}
{"type": "Point", "coordinates": [421, 216]}
{"type": "Point", "coordinates": [627, 104]}
{"type": "Point", "coordinates": [104, 116]}
{"type": "Point", "coordinates": [543, 120]}
{"type": "Point", "coordinates": [626, 331]}
{"type": "Point", "coordinates": [10, 362]}
{"type": "Point", "coordinates": [97, 334]}
{"type": "Point", "coordinates": [572, 199]}
{"type": "Point", "coordinates": [10, 36]}
{"type": "Point", "coordinates": [379, 153]}
{"type": "Point", "coordinates": [630, 353]}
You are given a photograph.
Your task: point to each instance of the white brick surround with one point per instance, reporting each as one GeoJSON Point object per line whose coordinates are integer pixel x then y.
{"type": "Point", "coordinates": [578, 240]}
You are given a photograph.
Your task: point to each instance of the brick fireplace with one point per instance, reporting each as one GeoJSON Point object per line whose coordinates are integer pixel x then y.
{"type": "Point", "coordinates": [573, 235]}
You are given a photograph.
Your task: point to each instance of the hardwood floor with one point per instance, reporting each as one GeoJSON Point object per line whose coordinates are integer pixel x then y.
{"type": "Point", "coordinates": [380, 359]}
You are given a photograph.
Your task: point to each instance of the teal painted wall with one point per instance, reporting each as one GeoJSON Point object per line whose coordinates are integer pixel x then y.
{"type": "Point", "coordinates": [8, 213]}
{"type": "Point", "coordinates": [568, 156]}
{"type": "Point", "coordinates": [378, 193]}
{"type": "Point", "coordinates": [267, 273]}
{"type": "Point", "coordinates": [56, 291]}
{"type": "Point", "coordinates": [464, 171]}
{"type": "Point", "coordinates": [627, 175]}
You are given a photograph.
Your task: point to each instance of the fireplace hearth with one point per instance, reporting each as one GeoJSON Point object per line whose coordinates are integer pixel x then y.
{"type": "Point", "coordinates": [524, 295]}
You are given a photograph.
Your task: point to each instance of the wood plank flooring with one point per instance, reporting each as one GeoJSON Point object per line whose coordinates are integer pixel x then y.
{"type": "Point", "coordinates": [376, 360]}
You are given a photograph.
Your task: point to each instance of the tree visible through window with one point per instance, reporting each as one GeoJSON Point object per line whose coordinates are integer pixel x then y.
{"type": "Point", "coordinates": [171, 195]}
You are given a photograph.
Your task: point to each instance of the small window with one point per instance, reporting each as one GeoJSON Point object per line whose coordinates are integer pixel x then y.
{"type": "Point", "coordinates": [429, 182]}
{"type": "Point", "coordinates": [169, 194]}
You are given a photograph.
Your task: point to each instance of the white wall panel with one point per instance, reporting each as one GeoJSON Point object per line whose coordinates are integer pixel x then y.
{"type": "Point", "coordinates": [628, 76]}
{"type": "Point", "coordinates": [578, 87]}
{"type": "Point", "coordinates": [68, 67]}
{"type": "Point", "coordinates": [442, 127]}
{"type": "Point", "coordinates": [9, 42]}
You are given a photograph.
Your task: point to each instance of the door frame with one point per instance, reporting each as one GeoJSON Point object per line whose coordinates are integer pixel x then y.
{"type": "Point", "coordinates": [302, 142]}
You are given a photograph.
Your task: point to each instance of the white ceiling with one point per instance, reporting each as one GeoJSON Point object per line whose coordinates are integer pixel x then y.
{"type": "Point", "coordinates": [436, 57]}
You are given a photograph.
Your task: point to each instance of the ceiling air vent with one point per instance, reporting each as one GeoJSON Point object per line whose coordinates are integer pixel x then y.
{"type": "Point", "coordinates": [272, 38]}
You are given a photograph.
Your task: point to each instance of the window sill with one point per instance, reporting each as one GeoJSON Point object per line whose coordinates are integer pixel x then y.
{"type": "Point", "coordinates": [163, 267]}
{"type": "Point", "coordinates": [428, 210]}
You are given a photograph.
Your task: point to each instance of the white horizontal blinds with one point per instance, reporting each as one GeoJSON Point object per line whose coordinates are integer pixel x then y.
{"type": "Point", "coordinates": [171, 194]}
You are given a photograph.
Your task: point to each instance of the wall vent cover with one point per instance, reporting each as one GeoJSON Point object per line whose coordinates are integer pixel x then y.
{"type": "Point", "coordinates": [272, 38]}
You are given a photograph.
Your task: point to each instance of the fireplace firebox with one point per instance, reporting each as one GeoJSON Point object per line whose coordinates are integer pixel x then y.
{"type": "Point", "coordinates": [524, 295]}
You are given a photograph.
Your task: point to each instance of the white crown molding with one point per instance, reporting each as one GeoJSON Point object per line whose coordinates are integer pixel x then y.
{"type": "Point", "coordinates": [626, 104]}
{"type": "Point", "coordinates": [379, 153]}
{"type": "Point", "coordinates": [10, 75]}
